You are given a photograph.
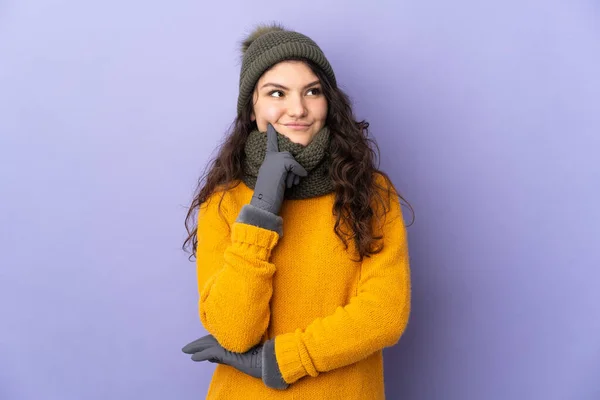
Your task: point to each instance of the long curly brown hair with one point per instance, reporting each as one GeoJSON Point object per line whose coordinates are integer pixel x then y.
{"type": "Point", "coordinates": [353, 155]}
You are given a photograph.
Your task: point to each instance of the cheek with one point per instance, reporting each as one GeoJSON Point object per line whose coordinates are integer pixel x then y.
{"type": "Point", "coordinates": [268, 112]}
{"type": "Point", "coordinates": [320, 110]}
{"type": "Point", "coordinates": [272, 113]}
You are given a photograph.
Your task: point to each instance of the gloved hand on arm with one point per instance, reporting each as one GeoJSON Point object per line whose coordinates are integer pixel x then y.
{"type": "Point", "coordinates": [259, 362]}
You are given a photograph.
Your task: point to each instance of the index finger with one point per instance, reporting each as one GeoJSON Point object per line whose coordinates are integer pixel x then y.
{"type": "Point", "coordinates": [271, 139]}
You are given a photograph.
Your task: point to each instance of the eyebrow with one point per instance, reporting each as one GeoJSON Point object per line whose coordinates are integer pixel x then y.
{"type": "Point", "coordinates": [277, 85]}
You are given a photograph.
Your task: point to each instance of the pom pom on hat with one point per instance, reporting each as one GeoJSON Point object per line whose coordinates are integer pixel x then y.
{"type": "Point", "coordinates": [258, 31]}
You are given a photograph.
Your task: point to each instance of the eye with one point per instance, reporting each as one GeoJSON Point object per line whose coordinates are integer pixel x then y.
{"type": "Point", "coordinates": [275, 91]}
{"type": "Point", "coordinates": [316, 91]}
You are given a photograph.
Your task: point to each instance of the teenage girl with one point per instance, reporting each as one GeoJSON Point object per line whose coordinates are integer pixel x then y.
{"type": "Point", "coordinates": [300, 244]}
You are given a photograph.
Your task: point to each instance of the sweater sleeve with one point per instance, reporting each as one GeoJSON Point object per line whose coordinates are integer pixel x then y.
{"type": "Point", "coordinates": [373, 319]}
{"type": "Point", "coordinates": [234, 276]}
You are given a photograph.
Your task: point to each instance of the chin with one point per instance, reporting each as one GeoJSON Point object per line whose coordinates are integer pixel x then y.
{"type": "Point", "coordinates": [299, 138]}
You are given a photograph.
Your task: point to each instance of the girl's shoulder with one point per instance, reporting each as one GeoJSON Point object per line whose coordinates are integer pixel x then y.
{"type": "Point", "coordinates": [386, 202]}
{"type": "Point", "coordinates": [384, 184]}
{"type": "Point", "coordinates": [228, 196]}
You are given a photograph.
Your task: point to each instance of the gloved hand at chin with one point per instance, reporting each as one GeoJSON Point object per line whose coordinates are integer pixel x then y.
{"type": "Point", "coordinates": [278, 171]}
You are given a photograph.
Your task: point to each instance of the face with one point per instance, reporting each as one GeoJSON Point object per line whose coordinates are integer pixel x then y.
{"type": "Point", "coordinates": [289, 97]}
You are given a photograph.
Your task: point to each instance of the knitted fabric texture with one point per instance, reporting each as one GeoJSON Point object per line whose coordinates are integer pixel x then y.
{"type": "Point", "coordinates": [272, 47]}
{"type": "Point", "coordinates": [329, 316]}
{"type": "Point", "coordinates": [314, 157]}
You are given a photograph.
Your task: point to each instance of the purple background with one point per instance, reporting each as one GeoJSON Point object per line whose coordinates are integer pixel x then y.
{"type": "Point", "coordinates": [488, 117]}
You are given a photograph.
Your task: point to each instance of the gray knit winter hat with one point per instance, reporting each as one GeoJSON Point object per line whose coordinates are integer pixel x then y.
{"type": "Point", "coordinates": [269, 44]}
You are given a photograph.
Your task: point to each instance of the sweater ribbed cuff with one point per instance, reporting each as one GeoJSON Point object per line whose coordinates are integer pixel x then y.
{"type": "Point", "coordinates": [253, 215]}
{"type": "Point", "coordinates": [252, 240]}
{"type": "Point", "coordinates": [271, 375]}
{"type": "Point", "coordinates": [288, 357]}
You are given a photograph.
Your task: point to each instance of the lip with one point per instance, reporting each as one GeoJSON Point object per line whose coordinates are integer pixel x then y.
{"type": "Point", "coordinates": [298, 127]}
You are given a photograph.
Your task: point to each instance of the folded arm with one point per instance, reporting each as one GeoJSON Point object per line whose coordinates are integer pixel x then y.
{"type": "Point", "coordinates": [234, 273]}
{"type": "Point", "coordinates": [373, 319]}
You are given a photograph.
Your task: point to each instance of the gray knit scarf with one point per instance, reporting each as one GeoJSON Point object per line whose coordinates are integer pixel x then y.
{"type": "Point", "coordinates": [314, 157]}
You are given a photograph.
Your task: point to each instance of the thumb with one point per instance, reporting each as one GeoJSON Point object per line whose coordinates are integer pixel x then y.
{"type": "Point", "coordinates": [295, 167]}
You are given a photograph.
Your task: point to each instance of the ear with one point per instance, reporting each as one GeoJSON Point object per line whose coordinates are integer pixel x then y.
{"type": "Point", "coordinates": [254, 100]}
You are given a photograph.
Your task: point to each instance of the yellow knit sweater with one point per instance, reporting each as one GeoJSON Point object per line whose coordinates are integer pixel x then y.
{"type": "Point", "coordinates": [330, 316]}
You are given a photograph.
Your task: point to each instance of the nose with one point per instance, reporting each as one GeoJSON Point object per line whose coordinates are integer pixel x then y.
{"type": "Point", "coordinates": [296, 107]}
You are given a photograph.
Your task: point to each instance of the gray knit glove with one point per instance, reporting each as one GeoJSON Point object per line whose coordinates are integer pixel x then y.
{"type": "Point", "coordinates": [208, 349]}
{"type": "Point", "coordinates": [259, 362]}
{"type": "Point", "coordinates": [278, 170]}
